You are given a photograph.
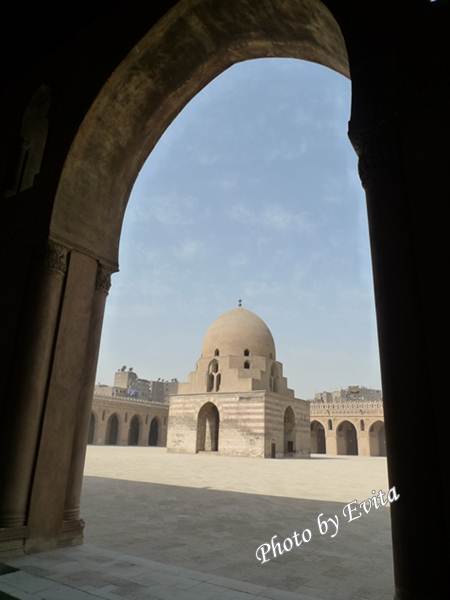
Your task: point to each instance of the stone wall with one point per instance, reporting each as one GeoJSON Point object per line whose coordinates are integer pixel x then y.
{"type": "Point", "coordinates": [364, 416]}
{"type": "Point", "coordinates": [104, 407]}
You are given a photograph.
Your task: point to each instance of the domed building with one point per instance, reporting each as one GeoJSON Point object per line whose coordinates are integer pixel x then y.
{"type": "Point", "coordinates": [237, 401]}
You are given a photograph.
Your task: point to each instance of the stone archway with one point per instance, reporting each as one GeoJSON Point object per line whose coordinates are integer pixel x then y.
{"type": "Point", "coordinates": [150, 87]}
{"type": "Point", "coordinates": [289, 431]}
{"type": "Point", "coordinates": [133, 431]}
{"type": "Point", "coordinates": [135, 104]}
{"type": "Point", "coordinates": [112, 430]}
{"type": "Point", "coordinates": [153, 434]}
{"type": "Point", "coordinates": [318, 445]}
{"type": "Point", "coordinates": [347, 438]}
{"type": "Point", "coordinates": [208, 424]}
{"type": "Point", "coordinates": [377, 439]}
{"type": "Point", "coordinates": [92, 428]}
{"type": "Point", "coordinates": [391, 124]}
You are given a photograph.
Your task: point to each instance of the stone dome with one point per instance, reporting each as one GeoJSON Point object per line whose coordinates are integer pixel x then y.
{"type": "Point", "coordinates": [236, 331]}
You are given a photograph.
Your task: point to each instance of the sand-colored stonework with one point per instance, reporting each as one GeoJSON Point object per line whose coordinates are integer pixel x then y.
{"type": "Point", "coordinates": [237, 401]}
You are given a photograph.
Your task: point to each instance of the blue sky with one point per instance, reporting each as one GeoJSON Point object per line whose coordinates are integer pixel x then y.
{"type": "Point", "coordinates": [251, 193]}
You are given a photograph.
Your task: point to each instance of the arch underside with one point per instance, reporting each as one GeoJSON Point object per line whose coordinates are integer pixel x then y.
{"type": "Point", "coordinates": [153, 435]}
{"type": "Point", "coordinates": [289, 432]}
{"type": "Point", "coordinates": [377, 439]}
{"type": "Point", "coordinates": [193, 43]}
{"type": "Point", "coordinates": [346, 438]}
{"type": "Point", "coordinates": [318, 445]}
{"type": "Point", "coordinates": [208, 424]}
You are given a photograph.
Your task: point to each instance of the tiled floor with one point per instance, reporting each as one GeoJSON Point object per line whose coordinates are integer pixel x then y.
{"type": "Point", "coordinates": [89, 572]}
{"type": "Point", "coordinates": [186, 527]}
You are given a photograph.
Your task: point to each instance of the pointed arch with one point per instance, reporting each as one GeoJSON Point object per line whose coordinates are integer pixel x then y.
{"type": "Point", "coordinates": [377, 439]}
{"type": "Point", "coordinates": [318, 445]}
{"type": "Point", "coordinates": [289, 432]}
{"type": "Point", "coordinates": [153, 434]}
{"type": "Point", "coordinates": [133, 431]}
{"type": "Point", "coordinates": [347, 438]}
{"type": "Point", "coordinates": [112, 430]}
{"type": "Point", "coordinates": [208, 423]}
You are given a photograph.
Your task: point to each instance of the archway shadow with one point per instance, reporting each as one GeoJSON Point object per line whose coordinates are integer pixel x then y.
{"type": "Point", "coordinates": [218, 532]}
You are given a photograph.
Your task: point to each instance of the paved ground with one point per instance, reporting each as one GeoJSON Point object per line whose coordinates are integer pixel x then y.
{"type": "Point", "coordinates": [191, 524]}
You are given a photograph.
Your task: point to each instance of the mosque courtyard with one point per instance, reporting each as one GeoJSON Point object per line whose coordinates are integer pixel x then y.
{"type": "Point", "coordinates": [163, 525]}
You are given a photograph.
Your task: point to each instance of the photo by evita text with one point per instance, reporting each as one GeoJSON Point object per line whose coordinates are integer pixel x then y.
{"type": "Point", "coordinates": [326, 525]}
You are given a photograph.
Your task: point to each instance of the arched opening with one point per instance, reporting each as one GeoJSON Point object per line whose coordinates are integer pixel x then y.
{"type": "Point", "coordinates": [208, 425]}
{"type": "Point", "coordinates": [92, 425]}
{"type": "Point", "coordinates": [274, 378]}
{"type": "Point", "coordinates": [289, 432]}
{"type": "Point", "coordinates": [216, 352]}
{"type": "Point", "coordinates": [347, 439]}
{"type": "Point", "coordinates": [318, 445]}
{"type": "Point", "coordinates": [211, 422]}
{"type": "Point", "coordinates": [247, 352]}
{"type": "Point", "coordinates": [112, 430]}
{"type": "Point", "coordinates": [303, 29]}
{"type": "Point", "coordinates": [208, 422]}
{"type": "Point", "coordinates": [213, 377]}
{"type": "Point", "coordinates": [153, 435]}
{"type": "Point", "coordinates": [133, 431]}
{"type": "Point", "coordinates": [247, 364]}
{"type": "Point", "coordinates": [377, 439]}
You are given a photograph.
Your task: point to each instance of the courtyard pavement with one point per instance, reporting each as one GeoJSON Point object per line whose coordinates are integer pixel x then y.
{"type": "Point", "coordinates": [186, 527]}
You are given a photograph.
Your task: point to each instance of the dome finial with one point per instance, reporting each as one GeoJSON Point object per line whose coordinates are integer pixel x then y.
{"type": "Point", "coordinates": [240, 303]}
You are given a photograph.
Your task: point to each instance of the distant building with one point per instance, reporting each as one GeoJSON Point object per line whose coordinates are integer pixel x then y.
{"type": "Point", "coordinates": [132, 412]}
{"type": "Point", "coordinates": [237, 400]}
{"type": "Point", "coordinates": [348, 421]}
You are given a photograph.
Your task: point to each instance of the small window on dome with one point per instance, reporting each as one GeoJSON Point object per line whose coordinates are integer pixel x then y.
{"type": "Point", "coordinates": [247, 364]}
{"type": "Point", "coordinates": [246, 352]}
{"type": "Point", "coordinates": [216, 352]}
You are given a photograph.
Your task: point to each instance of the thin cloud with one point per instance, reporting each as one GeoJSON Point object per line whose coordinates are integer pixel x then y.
{"type": "Point", "coordinates": [171, 210]}
{"type": "Point", "coordinates": [189, 250]}
{"type": "Point", "coordinates": [272, 216]}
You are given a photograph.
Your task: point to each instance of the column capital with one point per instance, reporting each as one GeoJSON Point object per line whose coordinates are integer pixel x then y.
{"type": "Point", "coordinates": [378, 149]}
{"type": "Point", "coordinates": [103, 279]}
{"type": "Point", "coordinates": [56, 257]}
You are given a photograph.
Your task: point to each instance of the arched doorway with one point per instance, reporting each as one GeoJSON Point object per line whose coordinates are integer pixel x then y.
{"type": "Point", "coordinates": [347, 440]}
{"type": "Point", "coordinates": [318, 445]}
{"type": "Point", "coordinates": [91, 433]}
{"type": "Point", "coordinates": [91, 195]}
{"type": "Point", "coordinates": [208, 423]}
{"type": "Point", "coordinates": [112, 430]}
{"type": "Point", "coordinates": [153, 434]}
{"type": "Point", "coordinates": [289, 432]}
{"type": "Point", "coordinates": [377, 439]}
{"type": "Point", "coordinates": [133, 432]}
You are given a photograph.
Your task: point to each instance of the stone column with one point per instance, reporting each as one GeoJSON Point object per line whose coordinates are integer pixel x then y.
{"type": "Point", "coordinates": [73, 526]}
{"type": "Point", "coordinates": [394, 171]}
{"type": "Point", "coordinates": [24, 411]}
{"type": "Point", "coordinates": [100, 435]}
{"type": "Point", "coordinates": [362, 434]}
{"type": "Point", "coordinates": [63, 391]}
{"type": "Point", "coordinates": [330, 439]}
{"type": "Point", "coordinates": [125, 417]}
